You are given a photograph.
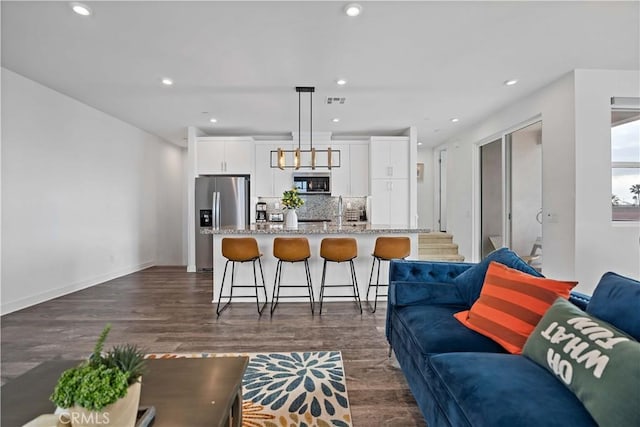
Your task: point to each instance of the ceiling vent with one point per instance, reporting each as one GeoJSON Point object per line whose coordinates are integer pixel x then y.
{"type": "Point", "coordinates": [335, 100]}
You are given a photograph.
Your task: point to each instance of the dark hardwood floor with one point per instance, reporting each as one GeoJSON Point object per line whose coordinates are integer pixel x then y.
{"type": "Point", "coordinates": [165, 309]}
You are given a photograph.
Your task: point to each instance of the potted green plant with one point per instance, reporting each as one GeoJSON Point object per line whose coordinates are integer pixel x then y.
{"type": "Point", "coordinates": [291, 201]}
{"type": "Point", "coordinates": [104, 390]}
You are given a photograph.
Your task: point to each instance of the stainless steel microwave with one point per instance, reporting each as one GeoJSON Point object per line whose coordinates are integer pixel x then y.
{"type": "Point", "coordinates": [312, 183]}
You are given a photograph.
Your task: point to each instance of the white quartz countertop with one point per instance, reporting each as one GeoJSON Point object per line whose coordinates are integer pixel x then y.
{"type": "Point", "coordinates": [316, 228]}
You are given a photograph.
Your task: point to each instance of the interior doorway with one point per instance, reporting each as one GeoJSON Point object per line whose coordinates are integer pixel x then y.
{"type": "Point", "coordinates": [511, 194]}
{"type": "Point", "coordinates": [442, 190]}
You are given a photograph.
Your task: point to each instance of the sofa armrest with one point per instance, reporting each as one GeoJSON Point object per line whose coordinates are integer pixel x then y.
{"type": "Point", "coordinates": [422, 283]}
{"type": "Point", "coordinates": [580, 300]}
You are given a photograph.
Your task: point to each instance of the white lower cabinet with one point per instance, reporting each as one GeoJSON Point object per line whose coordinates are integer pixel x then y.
{"type": "Point", "coordinates": [390, 202]}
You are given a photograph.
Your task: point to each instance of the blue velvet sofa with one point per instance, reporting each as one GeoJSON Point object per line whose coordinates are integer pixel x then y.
{"type": "Point", "coordinates": [461, 378]}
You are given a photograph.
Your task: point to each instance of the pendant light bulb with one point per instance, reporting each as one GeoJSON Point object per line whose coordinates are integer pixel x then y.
{"type": "Point", "coordinates": [296, 159]}
{"type": "Point", "coordinates": [281, 160]}
{"type": "Point", "coordinates": [329, 158]}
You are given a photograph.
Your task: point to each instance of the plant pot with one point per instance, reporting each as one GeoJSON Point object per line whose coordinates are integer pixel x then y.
{"type": "Point", "coordinates": [121, 413]}
{"type": "Point", "coordinates": [291, 219]}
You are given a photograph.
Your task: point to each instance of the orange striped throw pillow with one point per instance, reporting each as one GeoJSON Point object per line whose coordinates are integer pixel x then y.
{"type": "Point", "coordinates": [511, 304]}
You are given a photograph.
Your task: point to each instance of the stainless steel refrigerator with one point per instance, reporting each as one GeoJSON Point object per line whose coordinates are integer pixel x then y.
{"type": "Point", "coordinates": [220, 201]}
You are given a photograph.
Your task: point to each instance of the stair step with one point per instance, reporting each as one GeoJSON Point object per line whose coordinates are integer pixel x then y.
{"type": "Point", "coordinates": [443, 250]}
{"type": "Point", "coordinates": [435, 238]}
{"type": "Point", "coordinates": [438, 245]}
{"type": "Point", "coordinates": [441, 257]}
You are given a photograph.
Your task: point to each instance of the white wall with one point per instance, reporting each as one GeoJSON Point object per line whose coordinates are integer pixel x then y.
{"type": "Point", "coordinates": [555, 105]}
{"type": "Point", "coordinates": [579, 241]}
{"type": "Point", "coordinates": [601, 246]}
{"type": "Point", "coordinates": [426, 189]}
{"type": "Point", "coordinates": [85, 196]}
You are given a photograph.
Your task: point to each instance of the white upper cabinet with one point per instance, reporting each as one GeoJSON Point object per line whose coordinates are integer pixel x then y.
{"type": "Point", "coordinates": [352, 177]}
{"type": "Point", "coordinates": [359, 169]}
{"type": "Point", "coordinates": [224, 155]}
{"type": "Point", "coordinates": [389, 157]}
{"type": "Point", "coordinates": [268, 181]}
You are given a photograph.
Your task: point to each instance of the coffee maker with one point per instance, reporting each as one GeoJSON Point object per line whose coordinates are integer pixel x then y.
{"type": "Point", "coordinates": [261, 212]}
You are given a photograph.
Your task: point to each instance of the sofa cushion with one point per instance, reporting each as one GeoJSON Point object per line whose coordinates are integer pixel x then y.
{"type": "Point", "coordinates": [616, 300]}
{"type": "Point", "coordinates": [501, 390]}
{"type": "Point", "coordinates": [595, 360]}
{"type": "Point", "coordinates": [433, 329]}
{"type": "Point", "coordinates": [470, 281]}
{"type": "Point", "coordinates": [511, 304]}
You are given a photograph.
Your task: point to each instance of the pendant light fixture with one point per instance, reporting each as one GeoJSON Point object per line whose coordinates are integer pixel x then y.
{"type": "Point", "coordinates": [298, 153]}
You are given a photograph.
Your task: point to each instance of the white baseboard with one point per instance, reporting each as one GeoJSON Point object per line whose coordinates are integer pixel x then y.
{"type": "Point", "coordinates": [19, 304]}
{"type": "Point", "coordinates": [191, 268]}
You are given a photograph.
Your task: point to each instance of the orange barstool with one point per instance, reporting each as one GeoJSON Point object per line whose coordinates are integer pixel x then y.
{"type": "Point", "coordinates": [339, 249]}
{"type": "Point", "coordinates": [243, 249]}
{"type": "Point", "coordinates": [290, 249]}
{"type": "Point", "coordinates": [386, 249]}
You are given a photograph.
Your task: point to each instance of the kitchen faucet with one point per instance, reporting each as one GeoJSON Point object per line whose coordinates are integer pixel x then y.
{"type": "Point", "coordinates": [339, 210]}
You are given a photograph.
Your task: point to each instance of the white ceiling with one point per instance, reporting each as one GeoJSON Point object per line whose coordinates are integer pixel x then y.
{"type": "Point", "coordinates": [407, 63]}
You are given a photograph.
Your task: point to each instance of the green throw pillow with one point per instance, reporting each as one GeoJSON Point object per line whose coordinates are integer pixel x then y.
{"type": "Point", "coordinates": [597, 362]}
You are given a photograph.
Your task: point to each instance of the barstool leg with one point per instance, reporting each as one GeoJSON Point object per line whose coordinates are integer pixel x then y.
{"type": "Point", "coordinates": [255, 285]}
{"type": "Point", "coordinates": [375, 304]}
{"type": "Point", "coordinates": [276, 286]}
{"type": "Point", "coordinates": [264, 288]}
{"type": "Point", "coordinates": [354, 282]}
{"type": "Point", "coordinates": [375, 301]}
{"type": "Point", "coordinates": [224, 274]}
{"type": "Point", "coordinates": [324, 272]}
{"type": "Point", "coordinates": [309, 284]}
{"type": "Point", "coordinates": [233, 279]}
{"type": "Point", "coordinates": [373, 263]}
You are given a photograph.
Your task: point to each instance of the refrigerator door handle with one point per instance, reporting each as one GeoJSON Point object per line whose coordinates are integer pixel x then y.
{"type": "Point", "coordinates": [216, 209]}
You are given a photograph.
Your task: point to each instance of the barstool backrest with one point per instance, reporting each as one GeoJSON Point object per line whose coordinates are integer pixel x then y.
{"type": "Point", "coordinates": [291, 249]}
{"type": "Point", "coordinates": [392, 247]}
{"type": "Point", "coordinates": [338, 249]}
{"type": "Point", "coordinates": [240, 249]}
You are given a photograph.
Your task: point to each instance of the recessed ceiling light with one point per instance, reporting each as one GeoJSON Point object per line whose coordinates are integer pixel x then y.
{"type": "Point", "coordinates": [341, 82]}
{"type": "Point", "coordinates": [510, 82]}
{"type": "Point", "coordinates": [419, 143]}
{"type": "Point", "coordinates": [212, 120]}
{"type": "Point", "coordinates": [81, 9]}
{"type": "Point", "coordinates": [167, 82]}
{"type": "Point", "coordinates": [455, 120]}
{"type": "Point", "coordinates": [335, 120]}
{"type": "Point", "coordinates": [353, 9]}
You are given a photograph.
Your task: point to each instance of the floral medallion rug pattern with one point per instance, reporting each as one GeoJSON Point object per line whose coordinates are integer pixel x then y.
{"type": "Point", "coordinates": [305, 389]}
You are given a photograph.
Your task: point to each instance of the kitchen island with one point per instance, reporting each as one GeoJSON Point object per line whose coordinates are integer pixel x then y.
{"type": "Point", "coordinates": [365, 235]}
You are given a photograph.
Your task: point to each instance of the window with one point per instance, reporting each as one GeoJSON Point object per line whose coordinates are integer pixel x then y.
{"type": "Point", "coordinates": [625, 160]}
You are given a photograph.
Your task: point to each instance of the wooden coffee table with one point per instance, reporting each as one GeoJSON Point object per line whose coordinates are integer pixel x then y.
{"type": "Point", "coordinates": [185, 392]}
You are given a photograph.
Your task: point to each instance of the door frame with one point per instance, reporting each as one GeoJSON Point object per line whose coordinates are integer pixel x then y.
{"type": "Point", "coordinates": [440, 201]}
{"type": "Point", "coordinates": [476, 208]}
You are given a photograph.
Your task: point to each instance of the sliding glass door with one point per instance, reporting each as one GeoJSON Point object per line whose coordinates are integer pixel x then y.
{"type": "Point", "coordinates": [511, 194]}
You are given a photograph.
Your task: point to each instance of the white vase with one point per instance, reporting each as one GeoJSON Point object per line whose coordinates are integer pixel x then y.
{"type": "Point", "coordinates": [291, 219]}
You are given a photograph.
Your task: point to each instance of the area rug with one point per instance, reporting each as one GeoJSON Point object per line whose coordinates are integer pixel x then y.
{"type": "Point", "coordinates": [289, 389]}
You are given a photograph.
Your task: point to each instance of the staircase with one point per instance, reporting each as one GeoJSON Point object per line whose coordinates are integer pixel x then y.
{"type": "Point", "coordinates": [437, 246]}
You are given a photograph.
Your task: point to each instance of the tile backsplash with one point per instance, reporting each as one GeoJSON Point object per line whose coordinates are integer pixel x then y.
{"type": "Point", "coordinates": [317, 206]}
